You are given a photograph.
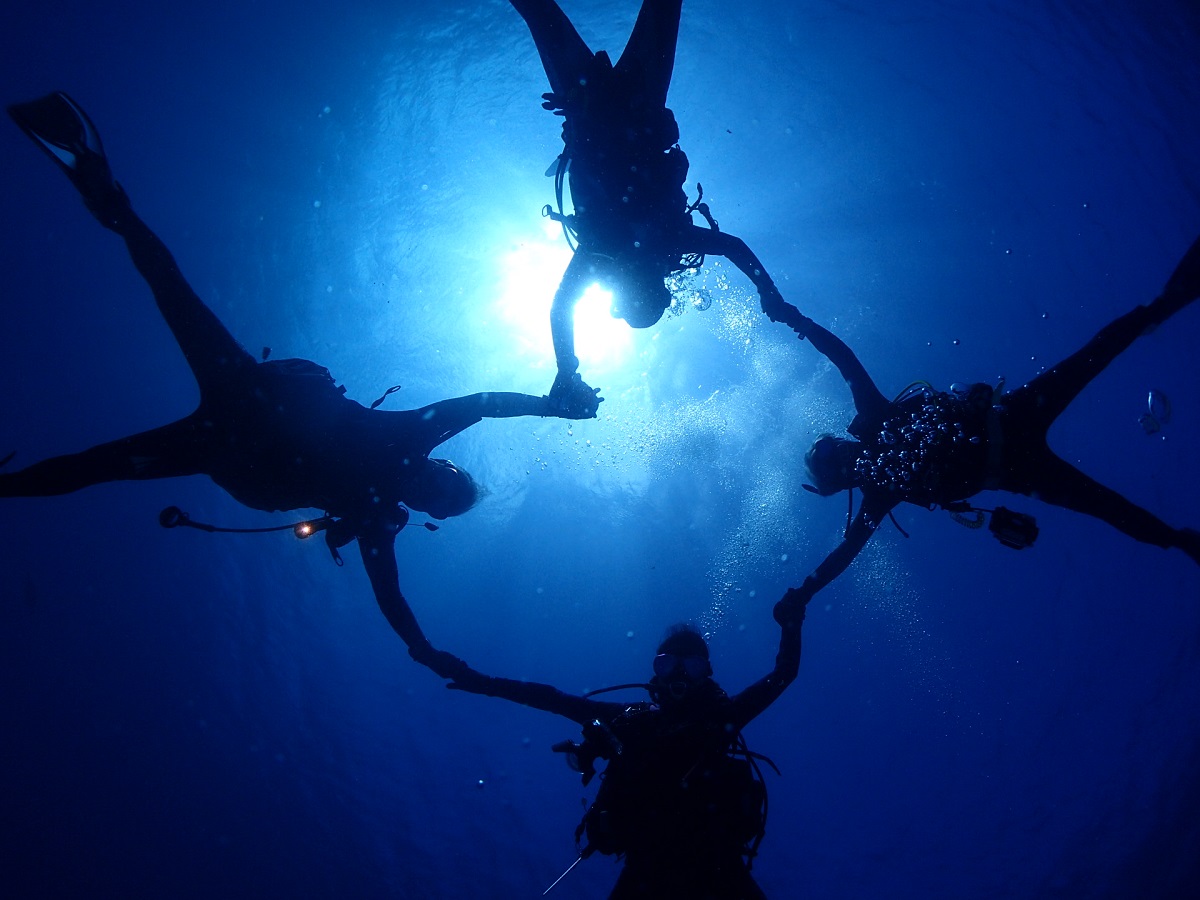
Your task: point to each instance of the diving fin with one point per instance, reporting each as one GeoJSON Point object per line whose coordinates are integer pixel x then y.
{"type": "Point", "coordinates": [60, 127]}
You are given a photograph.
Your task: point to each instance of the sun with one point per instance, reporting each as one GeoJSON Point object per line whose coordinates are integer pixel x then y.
{"type": "Point", "coordinates": [530, 273]}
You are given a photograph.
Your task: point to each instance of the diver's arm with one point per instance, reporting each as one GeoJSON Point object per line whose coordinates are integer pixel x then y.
{"type": "Point", "coordinates": [562, 311]}
{"type": "Point", "coordinates": [538, 696]}
{"type": "Point", "coordinates": [211, 351]}
{"type": "Point", "coordinates": [443, 420]}
{"type": "Point", "coordinates": [870, 516]}
{"type": "Point", "coordinates": [377, 546]}
{"type": "Point", "coordinates": [719, 243]}
{"type": "Point", "coordinates": [570, 396]}
{"type": "Point", "coordinates": [379, 558]}
{"type": "Point", "coordinates": [789, 613]}
{"type": "Point", "coordinates": [459, 413]}
{"type": "Point", "coordinates": [868, 400]}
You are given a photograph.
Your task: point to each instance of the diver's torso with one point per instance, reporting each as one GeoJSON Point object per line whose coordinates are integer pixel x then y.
{"type": "Point", "coordinates": [626, 178]}
{"type": "Point", "coordinates": [930, 449]}
{"type": "Point", "coordinates": [666, 774]}
{"type": "Point", "coordinates": [288, 438]}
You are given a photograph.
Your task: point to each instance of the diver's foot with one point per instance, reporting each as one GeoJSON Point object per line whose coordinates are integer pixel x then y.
{"type": "Point", "coordinates": [572, 398]}
{"type": "Point", "coordinates": [61, 128]}
{"type": "Point", "coordinates": [1189, 543]}
{"type": "Point", "coordinates": [1186, 277]}
{"type": "Point", "coordinates": [1182, 288]}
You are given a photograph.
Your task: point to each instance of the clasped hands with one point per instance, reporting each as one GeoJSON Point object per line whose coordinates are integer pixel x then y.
{"type": "Point", "coordinates": [573, 398]}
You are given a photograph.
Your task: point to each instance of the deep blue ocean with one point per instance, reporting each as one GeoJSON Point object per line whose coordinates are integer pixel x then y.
{"type": "Point", "coordinates": [962, 191]}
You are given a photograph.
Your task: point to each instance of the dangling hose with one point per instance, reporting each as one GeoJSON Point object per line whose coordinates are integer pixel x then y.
{"type": "Point", "coordinates": [702, 208]}
{"type": "Point", "coordinates": [338, 532]}
{"type": "Point", "coordinates": [174, 517]}
{"type": "Point", "coordinates": [386, 394]}
{"type": "Point", "coordinates": [562, 218]}
{"type": "Point", "coordinates": [616, 687]}
{"type": "Point", "coordinates": [912, 390]}
{"type": "Point", "coordinates": [892, 516]}
{"type": "Point", "coordinates": [968, 521]}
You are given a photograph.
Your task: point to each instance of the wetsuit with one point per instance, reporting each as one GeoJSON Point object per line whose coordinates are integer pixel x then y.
{"type": "Point", "coordinates": [935, 448]}
{"type": "Point", "coordinates": [673, 845]}
{"type": "Point", "coordinates": [276, 435]}
{"type": "Point", "coordinates": [626, 171]}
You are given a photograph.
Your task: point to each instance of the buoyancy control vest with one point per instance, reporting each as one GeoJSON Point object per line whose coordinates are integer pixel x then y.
{"type": "Point", "coordinates": [671, 788]}
{"type": "Point", "coordinates": [623, 163]}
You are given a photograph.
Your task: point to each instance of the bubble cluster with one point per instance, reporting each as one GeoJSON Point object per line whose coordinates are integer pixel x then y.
{"type": "Point", "coordinates": [915, 450]}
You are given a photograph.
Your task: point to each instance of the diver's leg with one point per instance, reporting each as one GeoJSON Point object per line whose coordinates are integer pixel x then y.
{"type": "Point", "coordinates": [168, 452]}
{"type": "Point", "coordinates": [649, 58]}
{"type": "Point", "coordinates": [1061, 484]}
{"type": "Point", "coordinates": [211, 351]}
{"type": "Point", "coordinates": [565, 56]}
{"type": "Point", "coordinates": [1042, 400]}
{"type": "Point", "coordinates": [61, 128]}
{"type": "Point", "coordinates": [1182, 287]}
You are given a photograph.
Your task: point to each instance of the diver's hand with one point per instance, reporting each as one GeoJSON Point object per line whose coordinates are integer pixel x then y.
{"type": "Point", "coordinates": [555, 103]}
{"type": "Point", "coordinates": [443, 664]}
{"type": "Point", "coordinates": [470, 681]}
{"type": "Point", "coordinates": [789, 611]}
{"type": "Point", "coordinates": [572, 398]}
{"type": "Point", "coordinates": [779, 310]}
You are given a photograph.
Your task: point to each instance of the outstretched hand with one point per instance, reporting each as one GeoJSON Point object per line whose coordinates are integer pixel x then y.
{"type": "Point", "coordinates": [573, 398]}
{"type": "Point", "coordinates": [555, 103]}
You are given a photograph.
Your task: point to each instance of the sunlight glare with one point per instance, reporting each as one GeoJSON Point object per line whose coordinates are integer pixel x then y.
{"type": "Point", "coordinates": [529, 277]}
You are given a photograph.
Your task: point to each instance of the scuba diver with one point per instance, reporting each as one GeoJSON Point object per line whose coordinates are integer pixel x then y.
{"type": "Point", "coordinates": [632, 221]}
{"type": "Point", "coordinates": [681, 796]}
{"type": "Point", "coordinates": [276, 435]}
{"type": "Point", "coordinates": [933, 448]}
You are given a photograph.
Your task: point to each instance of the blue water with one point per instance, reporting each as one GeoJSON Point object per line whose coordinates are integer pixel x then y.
{"type": "Point", "coordinates": [961, 190]}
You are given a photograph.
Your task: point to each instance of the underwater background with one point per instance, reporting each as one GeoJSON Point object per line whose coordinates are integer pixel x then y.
{"type": "Point", "coordinates": [962, 191]}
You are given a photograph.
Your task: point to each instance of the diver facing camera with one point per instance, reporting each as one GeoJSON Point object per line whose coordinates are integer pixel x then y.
{"type": "Point", "coordinates": [682, 800]}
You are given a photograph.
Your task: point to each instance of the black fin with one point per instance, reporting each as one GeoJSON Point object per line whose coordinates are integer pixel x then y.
{"type": "Point", "coordinates": [58, 125]}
